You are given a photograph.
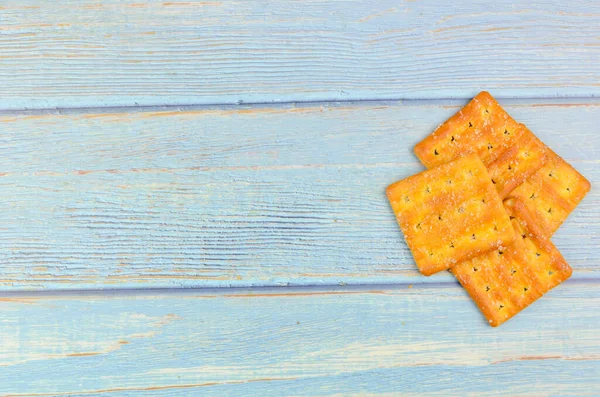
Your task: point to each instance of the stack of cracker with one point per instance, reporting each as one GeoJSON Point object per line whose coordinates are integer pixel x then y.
{"type": "Point", "coordinates": [487, 207]}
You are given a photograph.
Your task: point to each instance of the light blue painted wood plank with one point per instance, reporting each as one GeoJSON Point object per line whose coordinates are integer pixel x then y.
{"type": "Point", "coordinates": [231, 137]}
{"type": "Point", "coordinates": [114, 52]}
{"type": "Point", "coordinates": [242, 197]}
{"type": "Point", "coordinates": [418, 341]}
{"type": "Point", "coordinates": [323, 226]}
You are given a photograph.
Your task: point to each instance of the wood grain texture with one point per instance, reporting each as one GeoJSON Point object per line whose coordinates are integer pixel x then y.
{"type": "Point", "coordinates": [285, 342]}
{"type": "Point", "coordinates": [114, 52]}
{"type": "Point", "coordinates": [245, 196]}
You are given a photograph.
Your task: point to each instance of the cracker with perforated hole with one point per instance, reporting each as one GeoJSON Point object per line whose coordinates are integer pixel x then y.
{"type": "Point", "coordinates": [550, 194]}
{"type": "Point", "coordinates": [518, 162]}
{"type": "Point", "coordinates": [509, 150]}
{"type": "Point", "coordinates": [507, 280]}
{"type": "Point", "coordinates": [450, 213]}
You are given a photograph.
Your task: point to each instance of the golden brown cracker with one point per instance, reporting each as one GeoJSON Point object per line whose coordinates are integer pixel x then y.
{"type": "Point", "coordinates": [509, 150]}
{"type": "Point", "coordinates": [450, 213]}
{"type": "Point", "coordinates": [550, 194]}
{"type": "Point", "coordinates": [518, 162]}
{"type": "Point", "coordinates": [505, 281]}
{"type": "Point", "coordinates": [481, 126]}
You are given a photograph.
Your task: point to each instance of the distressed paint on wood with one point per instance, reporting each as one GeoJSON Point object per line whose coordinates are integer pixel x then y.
{"type": "Point", "coordinates": [237, 197]}
{"type": "Point", "coordinates": [300, 342]}
{"type": "Point", "coordinates": [114, 52]}
{"type": "Point", "coordinates": [263, 137]}
{"type": "Point", "coordinates": [270, 196]}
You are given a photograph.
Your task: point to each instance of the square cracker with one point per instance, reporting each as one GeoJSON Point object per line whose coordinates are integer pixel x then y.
{"type": "Point", "coordinates": [509, 150]}
{"type": "Point", "coordinates": [450, 213]}
{"type": "Point", "coordinates": [505, 281]}
{"type": "Point", "coordinates": [550, 194]}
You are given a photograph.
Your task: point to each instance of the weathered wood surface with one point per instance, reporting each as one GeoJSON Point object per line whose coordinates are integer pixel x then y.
{"type": "Point", "coordinates": [212, 198]}
{"type": "Point", "coordinates": [83, 53]}
{"type": "Point", "coordinates": [420, 341]}
{"type": "Point", "coordinates": [114, 196]}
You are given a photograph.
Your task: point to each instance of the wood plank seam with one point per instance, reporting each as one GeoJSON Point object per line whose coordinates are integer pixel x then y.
{"type": "Point", "coordinates": [406, 101]}
{"type": "Point", "coordinates": [258, 291]}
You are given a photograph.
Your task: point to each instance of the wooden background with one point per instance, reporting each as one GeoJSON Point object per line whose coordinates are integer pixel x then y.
{"type": "Point", "coordinates": [194, 204]}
